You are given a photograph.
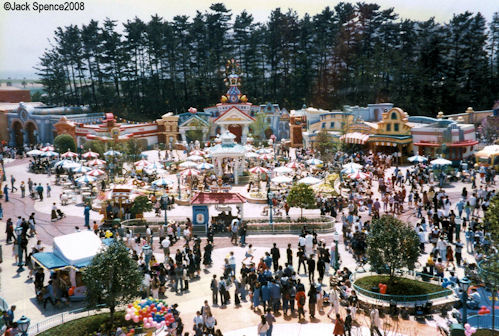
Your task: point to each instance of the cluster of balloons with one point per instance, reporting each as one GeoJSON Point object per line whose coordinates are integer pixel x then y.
{"type": "Point", "coordinates": [469, 330]}
{"type": "Point", "coordinates": [153, 313]}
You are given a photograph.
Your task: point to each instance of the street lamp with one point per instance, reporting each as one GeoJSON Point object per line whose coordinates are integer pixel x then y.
{"type": "Point", "coordinates": [270, 197]}
{"type": "Point", "coordinates": [146, 249]}
{"type": "Point", "coordinates": [465, 284]}
{"type": "Point", "coordinates": [23, 325]}
{"type": "Point", "coordinates": [178, 182]}
{"type": "Point", "coordinates": [19, 233]}
{"type": "Point", "coordinates": [336, 239]}
{"type": "Point", "coordinates": [164, 201]}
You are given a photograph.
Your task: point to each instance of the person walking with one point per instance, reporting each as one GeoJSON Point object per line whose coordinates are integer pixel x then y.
{"type": "Point", "coordinates": [311, 268]}
{"type": "Point", "coordinates": [23, 189]}
{"type": "Point", "coordinates": [375, 321]}
{"type": "Point", "coordinates": [348, 323]}
{"type": "Point", "coordinates": [300, 302]}
{"type": "Point", "coordinates": [274, 252]}
{"type": "Point", "coordinates": [12, 182]}
{"type": "Point", "coordinates": [312, 301]}
{"type": "Point", "coordinates": [270, 320]}
{"type": "Point", "coordinates": [6, 192]}
{"type": "Point", "coordinates": [263, 326]}
{"type": "Point", "coordinates": [339, 326]}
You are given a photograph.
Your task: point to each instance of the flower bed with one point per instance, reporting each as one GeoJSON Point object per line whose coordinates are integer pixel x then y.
{"type": "Point", "coordinates": [401, 290]}
{"type": "Point", "coordinates": [288, 225]}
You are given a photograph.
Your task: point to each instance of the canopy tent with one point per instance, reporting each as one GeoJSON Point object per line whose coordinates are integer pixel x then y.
{"type": "Point", "coordinates": [283, 170]}
{"type": "Point", "coordinates": [310, 180]}
{"type": "Point", "coordinates": [72, 250]}
{"type": "Point", "coordinates": [488, 151]}
{"type": "Point", "coordinates": [265, 157]}
{"type": "Point", "coordinates": [417, 158]}
{"type": "Point", "coordinates": [112, 153]}
{"type": "Point", "coordinates": [142, 163]}
{"type": "Point", "coordinates": [441, 162]}
{"type": "Point", "coordinates": [96, 172]}
{"type": "Point", "coordinates": [281, 179]}
{"type": "Point", "coordinates": [264, 151]}
{"type": "Point", "coordinates": [354, 165]}
{"type": "Point", "coordinates": [355, 138]}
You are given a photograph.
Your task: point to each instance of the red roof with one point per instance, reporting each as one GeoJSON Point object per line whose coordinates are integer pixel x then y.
{"type": "Point", "coordinates": [463, 143]}
{"type": "Point", "coordinates": [428, 144]}
{"type": "Point", "coordinates": [218, 198]}
{"type": "Point", "coordinates": [234, 107]}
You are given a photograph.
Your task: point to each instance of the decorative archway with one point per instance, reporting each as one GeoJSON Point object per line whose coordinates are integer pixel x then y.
{"type": "Point", "coordinates": [30, 128]}
{"type": "Point", "coordinates": [237, 130]}
{"type": "Point", "coordinates": [17, 129]}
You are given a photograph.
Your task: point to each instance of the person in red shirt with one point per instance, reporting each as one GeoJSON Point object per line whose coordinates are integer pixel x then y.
{"type": "Point", "coordinates": [300, 302]}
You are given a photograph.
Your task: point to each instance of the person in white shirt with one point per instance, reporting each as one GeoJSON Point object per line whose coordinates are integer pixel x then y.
{"type": "Point", "coordinates": [198, 319]}
{"type": "Point", "coordinates": [309, 244]}
{"type": "Point", "coordinates": [442, 249]}
{"type": "Point", "coordinates": [165, 244]}
{"type": "Point", "coordinates": [375, 321]}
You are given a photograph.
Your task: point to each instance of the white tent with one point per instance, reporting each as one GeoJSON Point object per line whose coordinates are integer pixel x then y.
{"type": "Point", "coordinates": [77, 249]}
{"type": "Point", "coordinates": [282, 179]}
{"type": "Point", "coordinates": [310, 180]}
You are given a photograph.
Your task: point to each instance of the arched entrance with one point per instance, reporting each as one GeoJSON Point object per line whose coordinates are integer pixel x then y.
{"type": "Point", "coordinates": [237, 130]}
{"type": "Point", "coordinates": [31, 129]}
{"type": "Point", "coordinates": [17, 128]}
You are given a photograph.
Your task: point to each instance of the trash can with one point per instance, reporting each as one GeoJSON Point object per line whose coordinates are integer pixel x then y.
{"type": "Point", "coordinates": [456, 330]}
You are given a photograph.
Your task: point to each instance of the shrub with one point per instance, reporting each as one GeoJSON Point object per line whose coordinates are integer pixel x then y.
{"type": "Point", "coordinates": [64, 142]}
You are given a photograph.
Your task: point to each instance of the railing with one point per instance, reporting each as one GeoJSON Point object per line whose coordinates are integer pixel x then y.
{"type": "Point", "coordinates": [62, 318]}
{"type": "Point", "coordinates": [484, 322]}
{"type": "Point", "coordinates": [399, 298]}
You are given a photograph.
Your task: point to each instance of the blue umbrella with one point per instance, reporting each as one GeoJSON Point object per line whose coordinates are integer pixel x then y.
{"type": "Point", "coordinates": [112, 153]}
{"type": "Point", "coordinates": [417, 158]}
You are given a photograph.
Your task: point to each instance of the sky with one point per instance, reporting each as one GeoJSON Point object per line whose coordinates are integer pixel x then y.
{"type": "Point", "coordinates": [25, 35]}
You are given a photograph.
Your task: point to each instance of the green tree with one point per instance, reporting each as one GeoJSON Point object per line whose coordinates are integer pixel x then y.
{"type": "Point", "coordinates": [64, 142]}
{"type": "Point", "coordinates": [259, 126]}
{"type": "Point", "coordinates": [392, 244]}
{"type": "Point", "coordinates": [113, 278]}
{"type": "Point", "coordinates": [95, 146]}
{"type": "Point", "coordinates": [301, 196]}
{"type": "Point", "coordinates": [324, 143]}
{"type": "Point", "coordinates": [140, 205]}
{"type": "Point", "coordinates": [491, 219]}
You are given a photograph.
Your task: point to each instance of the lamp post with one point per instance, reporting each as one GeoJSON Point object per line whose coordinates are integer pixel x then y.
{"type": "Point", "coordinates": [19, 233]}
{"type": "Point", "coordinates": [336, 239]}
{"type": "Point", "coordinates": [270, 197]}
{"type": "Point", "coordinates": [465, 284]}
{"type": "Point", "coordinates": [178, 181]}
{"type": "Point", "coordinates": [23, 325]}
{"type": "Point", "coordinates": [164, 201]}
{"type": "Point", "coordinates": [146, 249]}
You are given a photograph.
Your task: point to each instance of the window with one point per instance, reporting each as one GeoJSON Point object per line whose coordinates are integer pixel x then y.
{"type": "Point", "coordinates": [332, 124]}
{"type": "Point", "coordinates": [396, 127]}
{"type": "Point", "coordinates": [323, 125]}
{"type": "Point", "coordinates": [394, 116]}
{"type": "Point", "coordinates": [388, 127]}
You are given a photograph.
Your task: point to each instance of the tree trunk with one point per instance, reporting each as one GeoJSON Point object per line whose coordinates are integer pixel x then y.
{"type": "Point", "coordinates": [111, 318]}
{"type": "Point", "coordinates": [301, 213]}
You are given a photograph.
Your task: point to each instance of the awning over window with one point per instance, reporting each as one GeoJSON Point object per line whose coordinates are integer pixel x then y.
{"type": "Point", "coordinates": [355, 138]}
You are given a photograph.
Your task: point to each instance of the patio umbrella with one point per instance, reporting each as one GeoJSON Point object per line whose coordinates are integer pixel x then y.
{"type": "Point", "coordinates": [417, 158]}
{"type": "Point", "coordinates": [264, 151]}
{"type": "Point", "coordinates": [314, 162]}
{"type": "Point", "coordinates": [85, 179]}
{"type": "Point", "coordinates": [188, 164]}
{"type": "Point", "coordinates": [441, 162]}
{"type": "Point", "coordinates": [96, 162]}
{"type": "Point", "coordinates": [197, 152]}
{"type": "Point", "coordinates": [195, 158]}
{"type": "Point", "coordinates": [154, 166]}
{"type": "Point", "coordinates": [249, 147]}
{"type": "Point", "coordinates": [96, 172]}
{"type": "Point", "coordinates": [63, 162]}
{"type": "Point", "coordinates": [258, 170]}
{"type": "Point", "coordinates": [283, 170]}
{"type": "Point", "coordinates": [190, 172]}
{"type": "Point", "coordinates": [162, 182]}
{"type": "Point", "coordinates": [310, 180]}
{"type": "Point", "coordinates": [282, 179]}
{"type": "Point", "coordinates": [353, 165]}
{"type": "Point", "coordinates": [112, 153]}
{"type": "Point", "coordinates": [90, 155]}
{"type": "Point", "coordinates": [204, 166]}
{"type": "Point", "coordinates": [293, 165]}
{"type": "Point", "coordinates": [69, 154]}
{"type": "Point", "coordinates": [349, 170]}
{"type": "Point", "coordinates": [49, 154]}
{"type": "Point", "coordinates": [81, 169]}
{"type": "Point", "coordinates": [34, 152]}
{"type": "Point", "coordinates": [251, 155]}
{"type": "Point", "coordinates": [265, 157]}
{"type": "Point", "coordinates": [358, 175]}
{"type": "Point", "coordinates": [142, 163]}
{"type": "Point", "coordinates": [49, 148]}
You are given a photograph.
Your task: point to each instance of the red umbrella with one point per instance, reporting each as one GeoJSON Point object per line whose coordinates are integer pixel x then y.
{"type": "Point", "coordinates": [96, 162]}
{"type": "Point", "coordinates": [358, 175]}
{"type": "Point", "coordinates": [484, 311]}
{"type": "Point", "coordinates": [190, 172]}
{"type": "Point", "coordinates": [142, 162]}
{"type": "Point", "coordinates": [293, 165]}
{"type": "Point", "coordinates": [265, 157]}
{"type": "Point", "coordinates": [90, 155]}
{"type": "Point", "coordinates": [258, 170]}
{"type": "Point", "coordinates": [69, 154]}
{"type": "Point", "coordinates": [96, 172]}
{"type": "Point", "coordinates": [48, 149]}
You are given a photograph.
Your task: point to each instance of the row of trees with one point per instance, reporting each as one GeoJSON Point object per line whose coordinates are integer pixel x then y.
{"type": "Point", "coordinates": [349, 54]}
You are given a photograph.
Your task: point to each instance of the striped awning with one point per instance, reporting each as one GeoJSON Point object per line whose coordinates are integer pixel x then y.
{"type": "Point", "coordinates": [355, 138]}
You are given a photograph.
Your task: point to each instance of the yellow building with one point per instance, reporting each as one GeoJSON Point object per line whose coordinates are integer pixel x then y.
{"type": "Point", "coordinates": [335, 123]}
{"type": "Point", "coordinates": [389, 135]}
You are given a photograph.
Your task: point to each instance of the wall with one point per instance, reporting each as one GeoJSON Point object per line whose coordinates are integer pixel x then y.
{"type": "Point", "coordinates": [14, 96]}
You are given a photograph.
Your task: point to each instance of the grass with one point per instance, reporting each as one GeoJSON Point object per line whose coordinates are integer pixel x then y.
{"type": "Point", "coordinates": [89, 325]}
{"type": "Point", "coordinates": [400, 286]}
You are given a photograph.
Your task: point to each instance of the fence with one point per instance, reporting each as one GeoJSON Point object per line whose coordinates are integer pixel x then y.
{"type": "Point", "coordinates": [484, 322]}
{"type": "Point", "coordinates": [65, 317]}
{"type": "Point", "coordinates": [400, 298]}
